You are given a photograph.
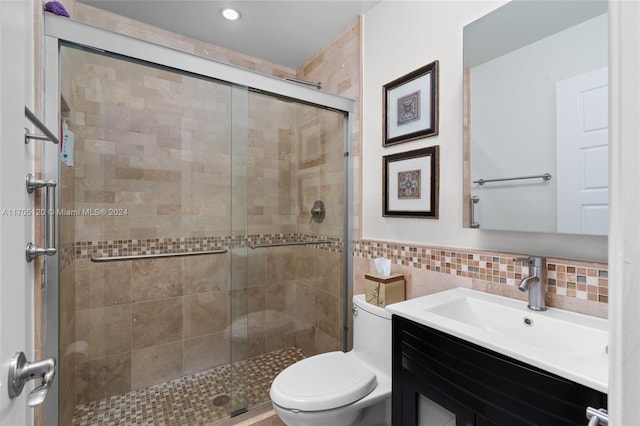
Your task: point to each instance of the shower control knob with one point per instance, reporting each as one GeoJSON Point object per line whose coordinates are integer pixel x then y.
{"type": "Point", "coordinates": [317, 211]}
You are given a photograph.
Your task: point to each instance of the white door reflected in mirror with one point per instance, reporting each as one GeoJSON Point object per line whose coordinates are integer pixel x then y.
{"type": "Point", "coordinates": [583, 153]}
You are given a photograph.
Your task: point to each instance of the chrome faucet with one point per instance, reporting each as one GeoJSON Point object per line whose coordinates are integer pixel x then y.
{"type": "Point", "coordinates": [535, 283]}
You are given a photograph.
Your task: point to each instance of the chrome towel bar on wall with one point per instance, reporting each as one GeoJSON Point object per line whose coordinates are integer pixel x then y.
{"type": "Point", "coordinates": [545, 177]}
{"type": "Point", "coordinates": [40, 125]}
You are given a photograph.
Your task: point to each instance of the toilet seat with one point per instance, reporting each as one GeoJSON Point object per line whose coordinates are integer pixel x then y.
{"type": "Point", "coordinates": [322, 382]}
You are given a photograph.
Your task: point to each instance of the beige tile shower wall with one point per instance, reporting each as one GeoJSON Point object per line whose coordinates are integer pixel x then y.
{"type": "Point", "coordinates": [320, 170]}
{"type": "Point", "coordinates": [294, 298]}
{"type": "Point", "coordinates": [152, 151]}
{"type": "Point", "coordinates": [144, 322]}
{"type": "Point", "coordinates": [339, 67]}
{"type": "Point", "coordinates": [271, 166]}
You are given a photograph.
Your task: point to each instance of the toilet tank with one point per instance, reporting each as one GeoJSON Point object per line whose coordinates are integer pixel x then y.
{"type": "Point", "coordinates": [372, 334]}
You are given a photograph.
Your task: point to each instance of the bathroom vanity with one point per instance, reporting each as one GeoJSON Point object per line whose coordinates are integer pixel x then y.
{"type": "Point", "coordinates": [477, 385]}
{"type": "Point", "coordinates": [470, 358]}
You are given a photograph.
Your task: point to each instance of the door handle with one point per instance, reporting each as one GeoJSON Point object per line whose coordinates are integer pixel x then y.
{"type": "Point", "coordinates": [21, 371]}
{"type": "Point", "coordinates": [32, 250]}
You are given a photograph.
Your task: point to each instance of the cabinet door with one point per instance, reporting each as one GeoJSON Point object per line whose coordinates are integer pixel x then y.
{"type": "Point", "coordinates": [423, 405]}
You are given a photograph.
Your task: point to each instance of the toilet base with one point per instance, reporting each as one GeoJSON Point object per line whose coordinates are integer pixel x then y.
{"type": "Point", "coordinates": [378, 414]}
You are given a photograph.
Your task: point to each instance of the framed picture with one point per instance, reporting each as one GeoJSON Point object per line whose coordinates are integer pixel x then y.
{"type": "Point", "coordinates": [410, 105]}
{"type": "Point", "coordinates": [410, 183]}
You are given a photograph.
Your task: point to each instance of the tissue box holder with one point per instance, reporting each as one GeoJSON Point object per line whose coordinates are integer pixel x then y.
{"type": "Point", "coordinates": [383, 291]}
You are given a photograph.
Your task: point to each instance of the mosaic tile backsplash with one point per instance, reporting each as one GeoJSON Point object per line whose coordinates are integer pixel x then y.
{"type": "Point", "coordinates": [570, 278]}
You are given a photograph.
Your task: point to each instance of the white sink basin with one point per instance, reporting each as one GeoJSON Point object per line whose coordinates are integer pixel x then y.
{"type": "Point", "coordinates": [571, 345]}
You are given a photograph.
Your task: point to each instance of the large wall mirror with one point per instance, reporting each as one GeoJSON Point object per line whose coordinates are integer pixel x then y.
{"type": "Point", "coordinates": [536, 118]}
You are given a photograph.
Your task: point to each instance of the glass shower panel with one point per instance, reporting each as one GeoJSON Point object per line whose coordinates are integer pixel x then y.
{"type": "Point", "coordinates": [320, 175]}
{"type": "Point", "coordinates": [295, 292]}
{"type": "Point", "coordinates": [151, 175]}
{"type": "Point", "coordinates": [239, 301]}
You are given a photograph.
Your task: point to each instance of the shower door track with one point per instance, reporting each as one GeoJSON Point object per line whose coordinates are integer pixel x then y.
{"type": "Point", "coordinates": [153, 256]}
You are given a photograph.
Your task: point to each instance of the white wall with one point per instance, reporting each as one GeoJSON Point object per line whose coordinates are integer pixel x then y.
{"type": "Point", "coordinates": [513, 126]}
{"type": "Point", "coordinates": [399, 37]}
{"type": "Point", "coordinates": [624, 228]}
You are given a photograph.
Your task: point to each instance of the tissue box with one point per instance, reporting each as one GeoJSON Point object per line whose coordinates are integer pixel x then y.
{"type": "Point", "coordinates": [383, 291]}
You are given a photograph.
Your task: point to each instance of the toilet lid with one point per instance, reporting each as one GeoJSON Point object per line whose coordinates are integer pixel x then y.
{"type": "Point", "coordinates": [322, 382]}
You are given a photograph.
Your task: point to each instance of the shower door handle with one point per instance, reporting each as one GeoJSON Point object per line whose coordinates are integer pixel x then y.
{"type": "Point", "coordinates": [21, 371]}
{"type": "Point", "coordinates": [33, 251]}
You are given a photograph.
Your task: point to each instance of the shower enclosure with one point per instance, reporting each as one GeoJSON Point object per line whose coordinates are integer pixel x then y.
{"type": "Point", "coordinates": [201, 233]}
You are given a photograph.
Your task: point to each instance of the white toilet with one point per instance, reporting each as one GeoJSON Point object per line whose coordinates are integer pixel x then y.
{"type": "Point", "coordinates": [338, 388]}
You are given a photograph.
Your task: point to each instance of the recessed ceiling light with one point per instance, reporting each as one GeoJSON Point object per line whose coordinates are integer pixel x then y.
{"type": "Point", "coordinates": [230, 14]}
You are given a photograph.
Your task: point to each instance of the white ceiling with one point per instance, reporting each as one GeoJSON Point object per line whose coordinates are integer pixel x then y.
{"type": "Point", "coordinates": [283, 32]}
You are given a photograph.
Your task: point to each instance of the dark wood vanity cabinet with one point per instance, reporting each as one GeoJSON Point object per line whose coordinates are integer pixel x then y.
{"type": "Point", "coordinates": [479, 386]}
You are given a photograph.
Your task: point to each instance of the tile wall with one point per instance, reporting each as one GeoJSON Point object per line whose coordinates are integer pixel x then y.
{"type": "Point", "coordinates": [338, 66]}
{"type": "Point", "coordinates": [573, 285]}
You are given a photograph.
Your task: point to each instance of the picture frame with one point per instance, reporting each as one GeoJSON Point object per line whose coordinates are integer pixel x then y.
{"type": "Point", "coordinates": [410, 183]}
{"type": "Point", "coordinates": [410, 106]}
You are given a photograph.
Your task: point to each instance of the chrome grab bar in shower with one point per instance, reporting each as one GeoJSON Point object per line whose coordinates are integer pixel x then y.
{"type": "Point", "coordinates": [40, 125]}
{"type": "Point", "coordinates": [296, 243]}
{"type": "Point", "coordinates": [153, 256]}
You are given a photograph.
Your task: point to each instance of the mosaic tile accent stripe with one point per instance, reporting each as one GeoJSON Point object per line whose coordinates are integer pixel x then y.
{"type": "Point", "coordinates": [583, 280]}
{"type": "Point", "coordinates": [189, 400]}
{"type": "Point", "coordinates": [105, 248]}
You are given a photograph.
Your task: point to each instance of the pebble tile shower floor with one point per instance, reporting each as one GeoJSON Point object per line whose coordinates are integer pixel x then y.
{"type": "Point", "coordinates": [189, 400]}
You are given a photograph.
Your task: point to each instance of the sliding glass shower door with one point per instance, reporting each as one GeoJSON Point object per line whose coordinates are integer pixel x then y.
{"type": "Point", "coordinates": [202, 234]}
{"type": "Point", "coordinates": [146, 183]}
{"type": "Point", "coordinates": [294, 223]}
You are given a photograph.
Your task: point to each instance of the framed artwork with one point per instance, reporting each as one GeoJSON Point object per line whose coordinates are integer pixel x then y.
{"type": "Point", "coordinates": [410, 105]}
{"type": "Point", "coordinates": [410, 183]}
